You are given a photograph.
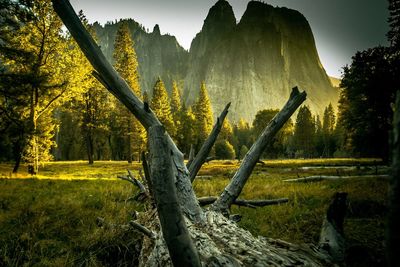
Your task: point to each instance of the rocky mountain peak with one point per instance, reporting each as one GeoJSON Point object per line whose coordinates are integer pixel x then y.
{"type": "Point", "coordinates": [220, 18]}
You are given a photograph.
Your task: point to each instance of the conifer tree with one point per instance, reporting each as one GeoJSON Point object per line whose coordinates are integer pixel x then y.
{"type": "Point", "coordinates": [304, 132]}
{"type": "Point", "coordinates": [127, 66]}
{"type": "Point", "coordinates": [175, 103]}
{"type": "Point", "coordinates": [204, 116]}
{"type": "Point", "coordinates": [161, 107]}
{"type": "Point", "coordinates": [37, 81]}
{"type": "Point", "coordinates": [328, 128]}
{"type": "Point", "coordinates": [394, 23]}
{"type": "Point", "coordinates": [186, 130]}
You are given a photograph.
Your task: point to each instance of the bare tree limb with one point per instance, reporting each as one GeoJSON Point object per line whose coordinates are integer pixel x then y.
{"type": "Point", "coordinates": [142, 229]}
{"type": "Point", "coordinates": [247, 203]}
{"type": "Point", "coordinates": [393, 221]}
{"type": "Point", "coordinates": [181, 248]}
{"type": "Point", "coordinates": [234, 188]}
{"type": "Point", "coordinates": [191, 156]}
{"type": "Point", "coordinates": [119, 88]}
{"type": "Point", "coordinates": [317, 178]}
{"type": "Point", "coordinates": [332, 240]}
{"type": "Point", "coordinates": [205, 149]}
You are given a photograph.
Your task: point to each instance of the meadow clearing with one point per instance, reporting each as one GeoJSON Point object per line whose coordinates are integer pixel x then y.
{"type": "Point", "coordinates": [50, 219]}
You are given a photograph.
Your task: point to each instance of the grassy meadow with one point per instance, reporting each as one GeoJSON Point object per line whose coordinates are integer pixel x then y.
{"type": "Point", "coordinates": [50, 219]}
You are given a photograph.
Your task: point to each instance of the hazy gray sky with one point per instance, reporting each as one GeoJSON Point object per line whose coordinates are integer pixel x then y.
{"type": "Point", "coordinates": [340, 27]}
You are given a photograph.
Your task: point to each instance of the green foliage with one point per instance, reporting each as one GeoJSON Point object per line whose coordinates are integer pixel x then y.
{"type": "Point", "coordinates": [161, 107]}
{"type": "Point", "coordinates": [394, 23]}
{"type": "Point", "coordinates": [224, 150]}
{"type": "Point", "coordinates": [280, 144]}
{"type": "Point", "coordinates": [243, 136]}
{"type": "Point", "coordinates": [204, 116]}
{"type": "Point", "coordinates": [53, 222]}
{"type": "Point", "coordinates": [304, 133]}
{"type": "Point", "coordinates": [365, 112]}
{"type": "Point", "coordinates": [186, 131]}
{"type": "Point", "coordinates": [126, 65]}
{"type": "Point", "coordinates": [243, 151]}
{"type": "Point", "coordinates": [36, 73]}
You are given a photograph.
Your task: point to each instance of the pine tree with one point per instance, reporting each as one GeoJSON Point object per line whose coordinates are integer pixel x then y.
{"type": "Point", "coordinates": [186, 130]}
{"type": "Point", "coordinates": [204, 116]}
{"type": "Point", "coordinates": [394, 24]}
{"type": "Point", "coordinates": [304, 133]}
{"type": "Point", "coordinates": [175, 104]}
{"type": "Point", "coordinates": [161, 107]}
{"type": "Point", "coordinates": [127, 66]}
{"type": "Point", "coordinates": [328, 128]}
{"type": "Point", "coordinates": [39, 72]}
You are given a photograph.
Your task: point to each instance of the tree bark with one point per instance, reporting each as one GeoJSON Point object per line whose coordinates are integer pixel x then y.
{"type": "Point", "coordinates": [246, 203]}
{"type": "Point", "coordinates": [393, 220]}
{"type": "Point", "coordinates": [331, 238]}
{"type": "Point", "coordinates": [175, 232]}
{"type": "Point", "coordinates": [205, 149]}
{"type": "Point", "coordinates": [113, 82]}
{"type": "Point", "coordinates": [234, 188]}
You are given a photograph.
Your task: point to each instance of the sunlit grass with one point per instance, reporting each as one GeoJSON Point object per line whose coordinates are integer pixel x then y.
{"type": "Point", "coordinates": [50, 221]}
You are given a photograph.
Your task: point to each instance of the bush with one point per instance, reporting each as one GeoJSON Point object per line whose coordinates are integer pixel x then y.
{"type": "Point", "coordinates": [224, 150]}
{"type": "Point", "coordinates": [243, 151]}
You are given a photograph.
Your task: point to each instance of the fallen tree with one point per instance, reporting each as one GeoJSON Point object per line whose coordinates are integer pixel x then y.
{"type": "Point", "coordinates": [317, 178]}
{"type": "Point", "coordinates": [178, 231]}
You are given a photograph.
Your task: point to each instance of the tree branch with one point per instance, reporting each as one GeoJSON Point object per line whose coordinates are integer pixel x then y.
{"type": "Point", "coordinates": [119, 88]}
{"type": "Point", "coordinates": [181, 248]}
{"type": "Point", "coordinates": [205, 149]}
{"type": "Point", "coordinates": [234, 188]}
{"type": "Point", "coordinates": [246, 203]}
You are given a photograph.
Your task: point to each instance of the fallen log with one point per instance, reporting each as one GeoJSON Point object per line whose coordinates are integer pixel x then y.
{"type": "Point", "coordinates": [317, 178]}
{"type": "Point", "coordinates": [203, 201]}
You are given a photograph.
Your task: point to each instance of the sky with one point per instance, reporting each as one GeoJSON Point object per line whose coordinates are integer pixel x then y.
{"type": "Point", "coordinates": [340, 27]}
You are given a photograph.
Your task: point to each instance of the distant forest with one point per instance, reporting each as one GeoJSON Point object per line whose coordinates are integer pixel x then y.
{"type": "Point", "coordinates": [52, 107]}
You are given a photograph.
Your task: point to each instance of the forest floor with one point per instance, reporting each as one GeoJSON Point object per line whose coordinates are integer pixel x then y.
{"type": "Point", "coordinates": [50, 219]}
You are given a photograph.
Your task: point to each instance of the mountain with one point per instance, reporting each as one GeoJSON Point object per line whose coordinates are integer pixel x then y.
{"type": "Point", "coordinates": [253, 64]}
{"type": "Point", "coordinates": [158, 55]}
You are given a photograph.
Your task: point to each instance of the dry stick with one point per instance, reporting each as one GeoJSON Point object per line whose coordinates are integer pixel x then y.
{"type": "Point", "coordinates": [143, 229]}
{"type": "Point", "coordinates": [244, 202]}
{"type": "Point", "coordinates": [332, 240]}
{"type": "Point", "coordinates": [316, 178]}
{"type": "Point", "coordinates": [120, 89]}
{"type": "Point", "coordinates": [393, 220]}
{"type": "Point", "coordinates": [234, 188]}
{"type": "Point", "coordinates": [205, 149]}
{"type": "Point", "coordinates": [142, 188]}
{"type": "Point", "coordinates": [175, 232]}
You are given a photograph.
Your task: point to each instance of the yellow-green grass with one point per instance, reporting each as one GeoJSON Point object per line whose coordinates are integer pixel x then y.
{"type": "Point", "coordinates": [50, 221]}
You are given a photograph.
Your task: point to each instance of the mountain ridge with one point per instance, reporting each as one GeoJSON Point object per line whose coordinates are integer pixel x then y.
{"type": "Point", "coordinates": [252, 63]}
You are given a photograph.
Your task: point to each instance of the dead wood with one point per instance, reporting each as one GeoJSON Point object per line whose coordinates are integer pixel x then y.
{"type": "Point", "coordinates": [234, 188]}
{"type": "Point", "coordinates": [180, 246]}
{"type": "Point", "coordinates": [243, 202]}
{"type": "Point", "coordinates": [120, 89]}
{"type": "Point", "coordinates": [331, 238]}
{"type": "Point", "coordinates": [317, 178]}
{"type": "Point", "coordinates": [205, 149]}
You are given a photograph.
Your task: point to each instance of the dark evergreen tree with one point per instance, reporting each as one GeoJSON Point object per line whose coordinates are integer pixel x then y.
{"type": "Point", "coordinates": [304, 133]}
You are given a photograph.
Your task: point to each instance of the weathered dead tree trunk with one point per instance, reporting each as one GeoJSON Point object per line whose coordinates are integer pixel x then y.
{"type": "Point", "coordinates": [331, 238]}
{"type": "Point", "coordinates": [234, 188]}
{"type": "Point", "coordinates": [217, 240]}
{"type": "Point", "coordinates": [113, 82]}
{"type": "Point", "coordinates": [174, 230]}
{"type": "Point", "coordinates": [205, 149]}
{"type": "Point", "coordinates": [393, 223]}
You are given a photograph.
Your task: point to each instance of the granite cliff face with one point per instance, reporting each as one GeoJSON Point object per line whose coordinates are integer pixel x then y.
{"type": "Point", "coordinates": [158, 55]}
{"type": "Point", "coordinates": [253, 63]}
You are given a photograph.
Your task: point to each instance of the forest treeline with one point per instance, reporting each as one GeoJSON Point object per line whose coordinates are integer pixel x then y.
{"type": "Point", "coordinates": [53, 107]}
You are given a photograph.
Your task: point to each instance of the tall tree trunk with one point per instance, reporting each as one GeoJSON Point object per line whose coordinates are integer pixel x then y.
{"type": "Point", "coordinates": [393, 223]}
{"type": "Point", "coordinates": [89, 147]}
{"type": "Point", "coordinates": [129, 138]}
